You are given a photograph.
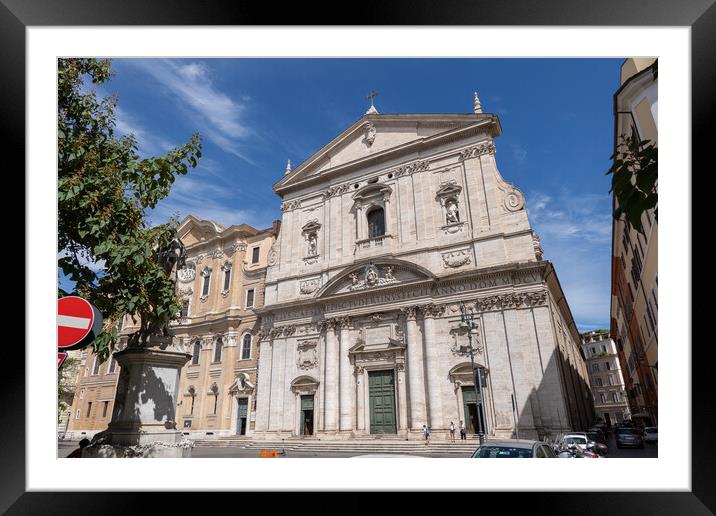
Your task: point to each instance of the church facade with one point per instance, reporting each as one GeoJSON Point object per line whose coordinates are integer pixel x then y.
{"type": "Point", "coordinates": [386, 232]}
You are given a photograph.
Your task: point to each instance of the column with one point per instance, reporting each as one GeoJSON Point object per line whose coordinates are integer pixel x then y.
{"type": "Point", "coordinates": [331, 380]}
{"type": "Point", "coordinates": [347, 408]}
{"type": "Point", "coordinates": [263, 389]}
{"type": "Point", "coordinates": [277, 361]}
{"type": "Point", "coordinates": [360, 397]}
{"type": "Point", "coordinates": [416, 387]}
{"type": "Point", "coordinates": [431, 362]}
{"type": "Point", "coordinates": [402, 397]}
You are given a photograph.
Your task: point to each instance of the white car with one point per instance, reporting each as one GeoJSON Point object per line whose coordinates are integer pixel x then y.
{"type": "Point", "coordinates": [651, 434]}
{"type": "Point", "coordinates": [578, 438]}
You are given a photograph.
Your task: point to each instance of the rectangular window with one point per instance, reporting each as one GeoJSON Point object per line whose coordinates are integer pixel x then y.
{"type": "Point", "coordinates": [603, 398]}
{"type": "Point", "coordinates": [255, 255]}
{"type": "Point", "coordinates": [604, 348]}
{"type": "Point", "coordinates": [611, 380]}
{"type": "Point", "coordinates": [615, 397]}
{"type": "Point", "coordinates": [599, 382]}
{"type": "Point", "coordinates": [227, 279]}
{"type": "Point", "coordinates": [185, 308]}
{"type": "Point", "coordinates": [205, 287]}
{"type": "Point", "coordinates": [105, 405]}
{"type": "Point", "coordinates": [77, 416]}
{"type": "Point", "coordinates": [249, 298]}
{"type": "Point", "coordinates": [89, 408]}
{"type": "Point", "coordinates": [95, 368]}
{"type": "Point", "coordinates": [607, 366]}
{"type": "Point", "coordinates": [112, 364]}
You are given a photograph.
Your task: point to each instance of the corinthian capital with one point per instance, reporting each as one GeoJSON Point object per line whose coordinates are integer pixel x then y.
{"type": "Point", "coordinates": [344, 322]}
{"type": "Point", "coordinates": [411, 312]}
{"type": "Point", "coordinates": [432, 310]}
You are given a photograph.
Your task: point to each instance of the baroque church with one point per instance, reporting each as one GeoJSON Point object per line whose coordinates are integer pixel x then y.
{"type": "Point", "coordinates": [403, 268]}
{"type": "Point", "coordinates": [389, 234]}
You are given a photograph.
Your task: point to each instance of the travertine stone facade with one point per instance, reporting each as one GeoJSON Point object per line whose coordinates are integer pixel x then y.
{"type": "Point", "coordinates": [385, 230]}
{"type": "Point", "coordinates": [221, 286]}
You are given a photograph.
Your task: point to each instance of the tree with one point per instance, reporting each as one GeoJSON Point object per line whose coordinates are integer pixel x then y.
{"type": "Point", "coordinates": [104, 191]}
{"type": "Point", "coordinates": [635, 172]}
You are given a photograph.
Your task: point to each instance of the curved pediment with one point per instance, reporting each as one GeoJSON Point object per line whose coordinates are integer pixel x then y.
{"type": "Point", "coordinates": [374, 274]}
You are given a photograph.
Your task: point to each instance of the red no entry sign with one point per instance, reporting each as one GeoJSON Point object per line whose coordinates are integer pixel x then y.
{"type": "Point", "coordinates": [78, 323]}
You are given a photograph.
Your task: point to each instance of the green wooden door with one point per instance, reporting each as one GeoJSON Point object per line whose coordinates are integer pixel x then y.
{"type": "Point", "coordinates": [381, 389]}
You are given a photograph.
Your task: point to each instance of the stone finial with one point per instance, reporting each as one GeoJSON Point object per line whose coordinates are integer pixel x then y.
{"type": "Point", "coordinates": [476, 106]}
{"type": "Point", "coordinates": [288, 168]}
{"type": "Point", "coordinates": [371, 110]}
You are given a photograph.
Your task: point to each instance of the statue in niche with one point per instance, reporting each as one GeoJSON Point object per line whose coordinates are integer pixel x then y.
{"type": "Point", "coordinates": [452, 214]}
{"type": "Point", "coordinates": [312, 245]}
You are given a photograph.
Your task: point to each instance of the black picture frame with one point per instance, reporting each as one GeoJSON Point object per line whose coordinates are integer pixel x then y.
{"type": "Point", "coordinates": [700, 15]}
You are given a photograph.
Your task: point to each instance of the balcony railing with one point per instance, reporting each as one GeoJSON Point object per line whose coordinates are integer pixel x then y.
{"type": "Point", "coordinates": [370, 243]}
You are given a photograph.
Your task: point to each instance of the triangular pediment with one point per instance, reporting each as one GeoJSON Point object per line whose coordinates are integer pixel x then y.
{"type": "Point", "coordinates": [374, 274]}
{"type": "Point", "coordinates": [374, 135]}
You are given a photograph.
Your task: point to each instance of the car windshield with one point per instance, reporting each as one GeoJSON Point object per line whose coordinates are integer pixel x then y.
{"type": "Point", "coordinates": [628, 431]}
{"type": "Point", "coordinates": [575, 439]}
{"type": "Point", "coordinates": [501, 452]}
{"type": "Point", "coordinates": [650, 430]}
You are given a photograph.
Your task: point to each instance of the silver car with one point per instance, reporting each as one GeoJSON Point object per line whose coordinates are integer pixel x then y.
{"type": "Point", "coordinates": [514, 448]}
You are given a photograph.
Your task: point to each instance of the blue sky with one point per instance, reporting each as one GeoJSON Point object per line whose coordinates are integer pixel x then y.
{"type": "Point", "coordinates": [254, 114]}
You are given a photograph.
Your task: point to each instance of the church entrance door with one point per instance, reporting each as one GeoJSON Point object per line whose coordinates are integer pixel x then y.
{"type": "Point", "coordinates": [241, 422]}
{"type": "Point", "coordinates": [307, 415]}
{"type": "Point", "coordinates": [471, 409]}
{"type": "Point", "coordinates": [381, 390]}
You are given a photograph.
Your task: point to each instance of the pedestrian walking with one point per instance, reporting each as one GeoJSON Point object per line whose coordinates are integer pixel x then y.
{"type": "Point", "coordinates": [463, 431]}
{"type": "Point", "coordinates": [452, 431]}
{"type": "Point", "coordinates": [76, 454]}
{"type": "Point", "coordinates": [426, 432]}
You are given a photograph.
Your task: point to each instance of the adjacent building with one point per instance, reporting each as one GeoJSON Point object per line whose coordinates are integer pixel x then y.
{"type": "Point", "coordinates": [605, 377]}
{"type": "Point", "coordinates": [634, 301]}
{"type": "Point", "coordinates": [385, 231]}
{"type": "Point", "coordinates": [220, 287]}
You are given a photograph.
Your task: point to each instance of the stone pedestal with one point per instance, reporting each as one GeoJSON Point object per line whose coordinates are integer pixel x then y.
{"type": "Point", "coordinates": [143, 420]}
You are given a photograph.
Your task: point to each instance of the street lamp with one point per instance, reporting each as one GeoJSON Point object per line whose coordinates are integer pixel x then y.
{"type": "Point", "coordinates": [467, 318]}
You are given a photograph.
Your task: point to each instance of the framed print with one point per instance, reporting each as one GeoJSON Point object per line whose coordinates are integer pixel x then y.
{"type": "Point", "coordinates": [341, 209]}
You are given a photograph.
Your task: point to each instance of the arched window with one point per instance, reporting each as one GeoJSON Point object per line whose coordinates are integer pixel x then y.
{"type": "Point", "coordinates": [185, 308]}
{"type": "Point", "coordinates": [246, 347]}
{"type": "Point", "coordinates": [376, 222]}
{"type": "Point", "coordinates": [217, 349]}
{"type": "Point", "coordinates": [195, 355]}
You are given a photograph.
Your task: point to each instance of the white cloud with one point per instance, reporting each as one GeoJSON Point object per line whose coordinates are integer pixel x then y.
{"type": "Point", "coordinates": [575, 232]}
{"type": "Point", "coordinates": [518, 151]}
{"type": "Point", "coordinates": [218, 116]}
{"type": "Point", "coordinates": [194, 195]}
{"type": "Point", "coordinates": [148, 144]}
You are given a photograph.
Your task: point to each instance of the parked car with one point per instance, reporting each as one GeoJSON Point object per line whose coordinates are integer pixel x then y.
{"type": "Point", "coordinates": [514, 448]}
{"type": "Point", "coordinates": [626, 436]}
{"type": "Point", "coordinates": [597, 435]}
{"type": "Point", "coordinates": [651, 434]}
{"type": "Point", "coordinates": [581, 439]}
